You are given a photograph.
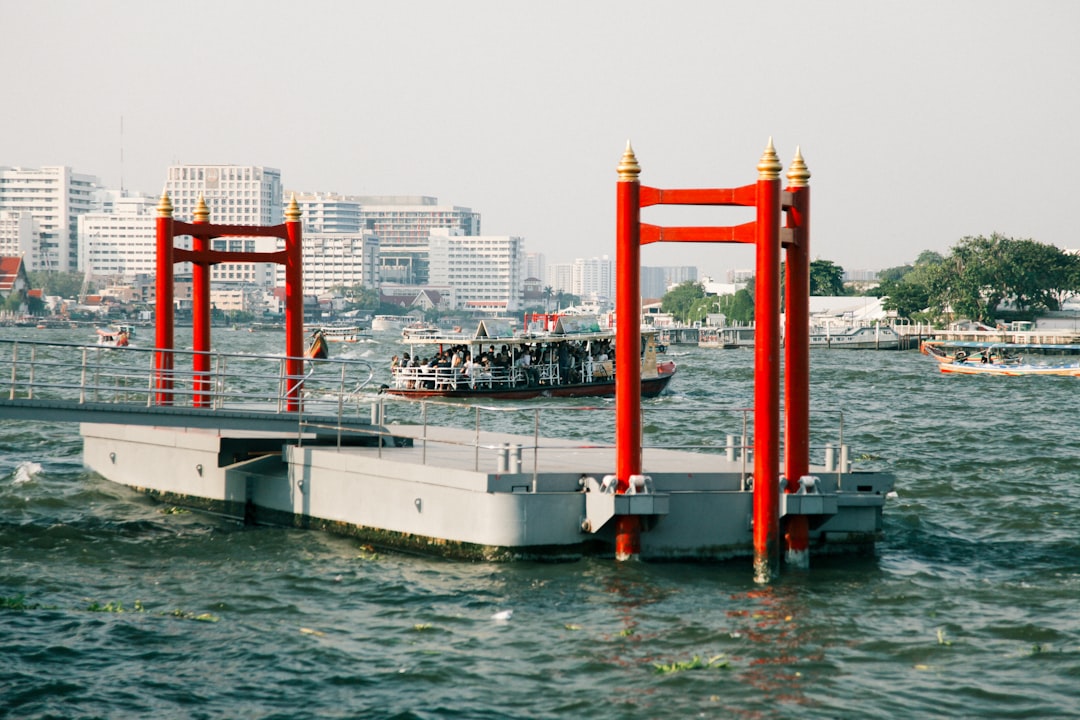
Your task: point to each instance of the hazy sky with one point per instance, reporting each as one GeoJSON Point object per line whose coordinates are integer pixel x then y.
{"type": "Point", "coordinates": [921, 122]}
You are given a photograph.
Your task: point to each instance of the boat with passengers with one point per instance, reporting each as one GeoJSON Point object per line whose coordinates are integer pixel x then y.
{"type": "Point", "coordinates": [966, 358]}
{"type": "Point", "coordinates": [556, 356]}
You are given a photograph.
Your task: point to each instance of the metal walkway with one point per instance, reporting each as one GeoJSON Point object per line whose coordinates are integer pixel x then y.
{"type": "Point", "coordinates": [63, 382]}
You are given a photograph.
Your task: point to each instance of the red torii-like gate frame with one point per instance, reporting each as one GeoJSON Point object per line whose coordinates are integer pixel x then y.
{"type": "Point", "coordinates": [768, 237]}
{"type": "Point", "coordinates": [202, 257]}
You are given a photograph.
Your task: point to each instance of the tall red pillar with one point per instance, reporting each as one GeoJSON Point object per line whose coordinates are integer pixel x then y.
{"type": "Point", "coordinates": [200, 310]}
{"type": "Point", "coordinates": [294, 304]}
{"type": "Point", "coordinates": [627, 347]}
{"type": "Point", "coordinates": [163, 308]}
{"type": "Point", "coordinates": [797, 356]}
{"type": "Point", "coordinates": [767, 370]}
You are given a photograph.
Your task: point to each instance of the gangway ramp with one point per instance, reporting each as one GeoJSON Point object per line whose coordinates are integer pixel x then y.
{"type": "Point", "coordinates": [61, 382]}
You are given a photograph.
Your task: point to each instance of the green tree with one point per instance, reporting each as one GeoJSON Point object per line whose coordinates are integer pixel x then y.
{"type": "Point", "coordinates": [358, 297]}
{"type": "Point", "coordinates": [983, 273]}
{"type": "Point", "coordinates": [547, 293]}
{"type": "Point", "coordinates": [826, 278]}
{"type": "Point", "coordinates": [680, 300]}
{"type": "Point", "coordinates": [62, 284]}
{"type": "Point", "coordinates": [701, 308]}
{"type": "Point", "coordinates": [738, 307]}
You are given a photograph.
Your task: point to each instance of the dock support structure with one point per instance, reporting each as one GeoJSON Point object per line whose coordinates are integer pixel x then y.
{"type": "Point", "coordinates": [796, 241]}
{"type": "Point", "coordinates": [765, 233]}
{"type": "Point", "coordinates": [628, 349]}
{"type": "Point", "coordinates": [202, 257]}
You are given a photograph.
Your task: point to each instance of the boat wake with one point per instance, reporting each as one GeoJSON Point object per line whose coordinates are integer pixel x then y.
{"type": "Point", "coordinates": [25, 472]}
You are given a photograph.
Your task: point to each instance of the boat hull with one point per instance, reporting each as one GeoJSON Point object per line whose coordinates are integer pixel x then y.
{"type": "Point", "coordinates": [1010, 370]}
{"type": "Point", "coordinates": [650, 388]}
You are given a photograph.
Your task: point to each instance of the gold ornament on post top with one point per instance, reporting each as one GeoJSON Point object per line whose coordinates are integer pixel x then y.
{"type": "Point", "coordinates": [165, 206]}
{"type": "Point", "coordinates": [769, 165]}
{"type": "Point", "coordinates": [628, 166]}
{"type": "Point", "coordinates": [798, 174]}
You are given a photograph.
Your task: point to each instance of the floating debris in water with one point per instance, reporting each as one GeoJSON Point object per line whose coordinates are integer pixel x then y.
{"type": "Point", "coordinates": [503, 615]}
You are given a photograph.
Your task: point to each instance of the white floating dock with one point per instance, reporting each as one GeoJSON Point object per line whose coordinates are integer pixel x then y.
{"type": "Point", "coordinates": [455, 493]}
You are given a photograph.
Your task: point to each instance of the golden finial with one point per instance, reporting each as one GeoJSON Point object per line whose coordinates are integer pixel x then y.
{"type": "Point", "coordinates": [798, 173]}
{"type": "Point", "coordinates": [628, 167]}
{"type": "Point", "coordinates": [202, 212]}
{"type": "Point", "coordinates": [292, 213]}
{"type": "Point", "coordinates": [769, 164]}
{"type": "Point", "coordinates": [164, 206]}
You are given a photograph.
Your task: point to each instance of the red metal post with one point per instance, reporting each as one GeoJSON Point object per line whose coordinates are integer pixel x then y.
{"type": "Point", "coordinates": [294, 305]}
{"type": "Point", "coordinates": [627, 347]}
{"type": "Point", "coordinates": [163, 316]}
{"type": "Point", "coordinates": [797, 356]}
{"type": "Point", "coordinates": [767, 370]}
{"type": "Point", "coordinates": [200, 310]}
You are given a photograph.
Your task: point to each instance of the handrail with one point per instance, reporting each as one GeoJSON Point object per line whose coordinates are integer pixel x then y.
{"type": "Point", "coordinates": [81, 374]}
{"type": "Point", "coordinates": [741, 450]}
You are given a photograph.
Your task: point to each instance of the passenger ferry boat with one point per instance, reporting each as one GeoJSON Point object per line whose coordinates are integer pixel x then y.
{"type": "Point", "coordinates": [568, 357]}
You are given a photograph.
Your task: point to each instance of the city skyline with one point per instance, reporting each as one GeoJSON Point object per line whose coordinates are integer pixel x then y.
{"type": "Point", "coordinates": [921, 123]}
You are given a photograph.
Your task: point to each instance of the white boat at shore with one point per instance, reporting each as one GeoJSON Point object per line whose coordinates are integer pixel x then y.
{"type": "Point", "coordinates": [382, 323]}
{"type": "Point", "coordinates": [347, 334]}
{"type": "Point", "coordinates": [865, 337]}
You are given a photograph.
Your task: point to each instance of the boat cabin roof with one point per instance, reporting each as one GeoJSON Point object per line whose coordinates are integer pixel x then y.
{"type": "Point", "coordinates": [577, 327]}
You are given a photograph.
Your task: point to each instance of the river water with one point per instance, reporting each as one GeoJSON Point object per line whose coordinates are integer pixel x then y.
{"type": "Point", "coordinates": [114, 606]}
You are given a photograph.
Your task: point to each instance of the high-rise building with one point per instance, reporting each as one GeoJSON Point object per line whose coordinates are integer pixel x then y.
{"type": "Point", "coordinates": [235, 195]}
{"type": "Point", "coordinates": [484, 270]}
{"type": "Point", "coordinates": [327, 212]}
{"type": "Point", "coordinates": [407, 221]}
{"type": "Point", "coordinates": [677, 275]}
{"type": "Point", "coordinates": [54, 196]}
{"type": "Point", "coordinates": [594, 279]}
{"type": "Point", "coordinates": [19, 236]}
{"type": "Point", "coordinates": [121, 243]}
{"type": "Point", "coordinates": [653, 282]}
{"type": "Point", "coordinates": [535, 266]}
{"type": "Point", "coordinates": [560, 277]}
{"type": "Point", "coordinates": [340, 259]}
{"type": "Point", "coordinates": [402, 224]}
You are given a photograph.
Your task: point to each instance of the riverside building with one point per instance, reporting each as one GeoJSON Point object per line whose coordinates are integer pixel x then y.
{"type": "Point", "coordinates": [120, 243]}
{"type": "Point", "coordinates": [484, 270]}
{"type": "Point", "coordinates": [235, 195]}
{"type": "Point", "coordinates": [54, 197]}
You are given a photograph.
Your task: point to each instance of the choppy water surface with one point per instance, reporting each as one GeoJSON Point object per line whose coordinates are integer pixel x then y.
{"type": "Point", "coordinates": [113, 606]}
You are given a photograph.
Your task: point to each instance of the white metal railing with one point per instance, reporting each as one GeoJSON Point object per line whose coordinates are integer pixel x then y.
{"type": "Point", "coordinates": [147, 377]}
{"type": "Point", "coordinates": [737, 448]}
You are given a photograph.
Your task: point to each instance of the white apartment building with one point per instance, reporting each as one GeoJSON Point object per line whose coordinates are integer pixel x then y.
{"type": "Point", "coordinates": [19, 237]}
{"type": "Point", "coordinates": [402, 224]}
{"type": "Point", "coordinates": [54, 196]}
{"type": "Point", "coordinates": [594, 279]}
{"type": "Point", "coordinates": [535, 266]}
{"type": "Point", "coordinates": [336, 259]}
{"type": "Point", "coordinates": [122, 244]}
{"type": "Point", "coordinates": [235, 195]}
{"type": "Point", "coordinates": [484, 270]}
{"type": "Point", "coordinates": [327, 212]}
{"type": "Point", "coordinates": [560, 277]}
{"type": "Point", "coordinates": [407, 221]}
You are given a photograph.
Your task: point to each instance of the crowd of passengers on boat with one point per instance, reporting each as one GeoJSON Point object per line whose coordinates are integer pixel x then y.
{"type": "Point", "coordinates": [562, 363]}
